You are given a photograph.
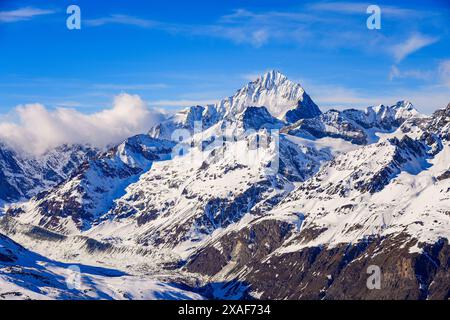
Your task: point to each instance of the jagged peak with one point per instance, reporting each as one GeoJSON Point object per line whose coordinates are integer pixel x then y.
{"type": "Point", "coordinates": [271, 79]}
{"type": "Point", "coordinates": [404, 104]}
{"type": "Point", "coordinates": [445, 110]}
{"type": "Point", "coordinates": [274, 91]}
{"type": "Point", "coordinates": [403, 109]}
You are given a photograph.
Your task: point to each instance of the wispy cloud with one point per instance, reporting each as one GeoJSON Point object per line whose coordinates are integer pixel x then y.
{"type": "Point", "coordinates": [259, 28]}
{"type": "Point", "coordinates": [22, 14]}
{"type": "Point", "coordinates": [309, 25]}
{"type": "Point", "coordinates": [324, 24]}
{"type": "Point", "coordinates": [395, 72]}
{"type": "Point", "coordinates": [122, 19]}
{"type": "Point", "coordinates": [361, 7]}
{"type": "Point", "coordinates": [414, 43]}
{"type": "Point", "coordinates": [241, 26]}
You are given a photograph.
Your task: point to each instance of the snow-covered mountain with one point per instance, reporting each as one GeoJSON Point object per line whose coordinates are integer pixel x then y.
{"type": "Point", "coordinates": [177, 204]}
{"type": "Point", "coordinates": [386, 204]}
{"type": "Point", "coordinates": [356, 126]}
{"type": "Point", "coordinates": [269, 198]}
{"type": "Point", "coordinates": [79, 201]}
{"type": "Point", "coordinates": [23, 176]}
{"type": "Point", "coordinates": [284, 100]}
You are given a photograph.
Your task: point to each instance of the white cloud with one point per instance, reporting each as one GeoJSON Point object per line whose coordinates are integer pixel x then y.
{"type": "Point", "coordinates": [38, 129]}
{"type": "Point", "coordinates": [360, 8]}
{"type": "Point", "coordinates": [441, 74]}
{"type": "Point", "coordinates": [259, 28]}
{"type": "Point", "coordinates": [22, 14]}
{"type": "Point", "coordinates": [394, 73]}
{"type": "Point", "coordinates": [414, 43]}
{"type": "Point", "coordinates": [259, 37]}
{"type": "Point", "coordinates": [310, 24]}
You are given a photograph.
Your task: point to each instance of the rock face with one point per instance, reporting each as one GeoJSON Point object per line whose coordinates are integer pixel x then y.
{"type": "Point", "coordinates": [257, 118]}
{"type": "Point", "coordinates": [330, 124]}
{"type": "Point", "coordinates": [367, 169]}
{"type": "Point", "coordinates": [313, 273]}
{"type": "Point", "coordinates": [186, 120]}
{"type": "Point", "coordinates": [271, 199]}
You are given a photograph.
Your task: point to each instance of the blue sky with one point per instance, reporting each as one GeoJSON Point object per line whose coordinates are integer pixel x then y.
{"type": "Point", "coordinates": [179, 53]}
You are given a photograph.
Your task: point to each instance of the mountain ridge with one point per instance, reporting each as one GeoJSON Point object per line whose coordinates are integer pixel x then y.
{"type": "Point", "coordinates": [259, 189]}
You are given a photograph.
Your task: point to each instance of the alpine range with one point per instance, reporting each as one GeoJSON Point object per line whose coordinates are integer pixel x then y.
{"type": "Point", "coordinates": [213, 217]}
{"type": "Point", "coordinates": [238, 158]}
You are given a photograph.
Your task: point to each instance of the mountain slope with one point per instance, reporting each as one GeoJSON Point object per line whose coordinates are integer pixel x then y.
{"type": "Point", "coordinates": [385, 205]}
{"type": "Point", "coordinates": [76, 203]}
{"type": "Point", "coordinates": [180, 203]}
{"type": "Point", "coordinates": [23, 176]}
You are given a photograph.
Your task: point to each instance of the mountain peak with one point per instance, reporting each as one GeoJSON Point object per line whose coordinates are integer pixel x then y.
{"type": "Point", "coordinates": [447, 109]}
{"type": "Point", "coordinates": [283, 98]}
{"type": "Point", "coordinates": [271, 79]}
{"type": "Point", "coordinates": [404, 104]}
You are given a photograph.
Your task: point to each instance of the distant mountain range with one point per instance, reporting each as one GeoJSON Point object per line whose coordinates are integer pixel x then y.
{"type": "Point", "coordinates": [260, 196]}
